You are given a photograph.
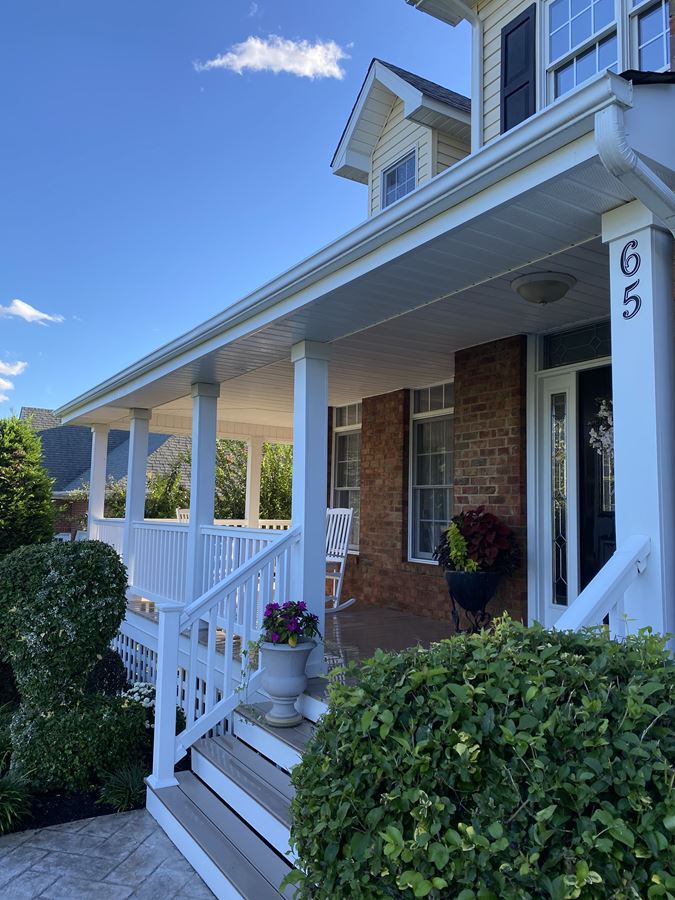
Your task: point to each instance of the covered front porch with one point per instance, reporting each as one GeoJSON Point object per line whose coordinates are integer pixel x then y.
{"type": "Point", "coordinates": [415, 316]}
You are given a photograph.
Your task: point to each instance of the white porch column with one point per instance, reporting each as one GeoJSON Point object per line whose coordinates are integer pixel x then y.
{"type": "Point", "coordinates": [139, 428]}
{"type": "Point", "coordinates": [310, 463]}
{"type": "Point", "coordinates": [99, 462]}
{"type": "Point", "coordinates": [202, 479]}
{"type": "Point", "coordinates": [253, 476]}
{"type": "Point", "coordinates": [641, 291]}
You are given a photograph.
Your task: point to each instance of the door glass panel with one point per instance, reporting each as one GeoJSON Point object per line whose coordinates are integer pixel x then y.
{"type": "Point", "coordinates": [559, 496]}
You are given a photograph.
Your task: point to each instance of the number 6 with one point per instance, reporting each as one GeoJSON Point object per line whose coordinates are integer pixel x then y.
{"type": "Point", "coordinates": [630, 262]}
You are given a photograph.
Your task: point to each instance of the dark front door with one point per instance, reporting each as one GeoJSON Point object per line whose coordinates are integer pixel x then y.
{"type": "Point", "coordinates": [597, 535]}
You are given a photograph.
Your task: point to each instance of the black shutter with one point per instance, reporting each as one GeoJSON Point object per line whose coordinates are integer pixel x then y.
{"type": "Point", "coordinates": [519, 77]}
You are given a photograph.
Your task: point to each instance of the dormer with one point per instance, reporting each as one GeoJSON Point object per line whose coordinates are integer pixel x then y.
{"type": "Point", "coordinates": [402, 131]}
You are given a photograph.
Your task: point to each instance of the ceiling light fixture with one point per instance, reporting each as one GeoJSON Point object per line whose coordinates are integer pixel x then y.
{"type": "Point", "coordinates": [543, 287]}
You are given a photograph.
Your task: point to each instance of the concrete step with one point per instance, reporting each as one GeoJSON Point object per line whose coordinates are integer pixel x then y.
{"type": "Point", "coordinates": [251, 785]}
{"type": "Point", "coordinates": [282, 746]}
{"type": "Point", "coordinates": [232, 859]}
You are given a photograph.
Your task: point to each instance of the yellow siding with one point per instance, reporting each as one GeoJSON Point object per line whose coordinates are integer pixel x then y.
{"type": "Point", "coordinates": [449, 151]}
{"type": "Point", "coordinates": [399, 136]}
{"type": "Point", "coordinates": [494, 15]}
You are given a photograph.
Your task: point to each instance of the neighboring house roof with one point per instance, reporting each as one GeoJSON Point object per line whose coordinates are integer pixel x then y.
{"type": "Point", "coordinates": [66, 451]}
{"type": "Point", "coordinates": [424, 102]}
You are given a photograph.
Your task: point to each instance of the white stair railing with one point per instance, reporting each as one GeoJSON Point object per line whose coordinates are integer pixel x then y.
{"type": "Point", "coordinates": [603, 596]}
{"type": "Point", "coordinates": [228, 614]}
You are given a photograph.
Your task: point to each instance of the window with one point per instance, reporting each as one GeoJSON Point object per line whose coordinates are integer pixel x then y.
{"type": "Point", "coordinates": [582, 41]}
{"type": "Point", "coordinates": [432, 467]}
{"type": "Point", "coordinates": [399, 180]}
{"type": "Point", "coordinates": [651, 35]}
{"type": "Point", "coordinates": [347, 464]}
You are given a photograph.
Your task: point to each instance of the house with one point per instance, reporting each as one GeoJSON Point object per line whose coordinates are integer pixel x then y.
{"type": "Point", "coordinates": [498, 330]}
{"type": "Point", "coordinates": [66, 455]}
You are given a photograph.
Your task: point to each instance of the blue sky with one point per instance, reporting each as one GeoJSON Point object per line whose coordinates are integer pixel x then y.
{"type": "Point", "coordinates": [142, 193]}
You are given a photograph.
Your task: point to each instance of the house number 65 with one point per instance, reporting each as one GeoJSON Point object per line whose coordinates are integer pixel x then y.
{"type": "Point", "coordinates": [630, 264]}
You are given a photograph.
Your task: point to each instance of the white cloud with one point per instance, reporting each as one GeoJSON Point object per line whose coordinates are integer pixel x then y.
{"type": "Point", "coordinates": [3, 398]}
{"type": "Point", "coordinates": [253, 9]}
{"type": "Point", "coordinates": [28, 313]}
{"type": "Point", "coordinates": [6, 385]}
{"type": "Point", "coordinates": [277, 54]}
{"type": "Point", "coordinates": [16, 368]}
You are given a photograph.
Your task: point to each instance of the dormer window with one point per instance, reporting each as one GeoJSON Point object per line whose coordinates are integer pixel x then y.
{"type": "Point", "coordinates": [399, 179]}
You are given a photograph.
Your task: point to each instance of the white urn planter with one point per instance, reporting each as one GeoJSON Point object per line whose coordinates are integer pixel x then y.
{"type": "Point", "coordinates": [284, 680]}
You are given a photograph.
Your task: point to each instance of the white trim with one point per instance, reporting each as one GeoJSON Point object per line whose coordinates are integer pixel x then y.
{"type": "Point", "coordinates": [271, 747]}
{"type": "Point", "coordinates": [339, 430]}
{"type": "Point", "coordinates": [445, 412]}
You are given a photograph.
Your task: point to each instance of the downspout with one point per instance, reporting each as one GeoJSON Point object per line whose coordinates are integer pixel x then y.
{"type": "Point", "coordinates": [620, 160]}
{"type": "Point", "coordinates": [466, 12]}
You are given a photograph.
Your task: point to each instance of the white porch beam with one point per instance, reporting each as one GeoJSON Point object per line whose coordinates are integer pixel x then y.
{"type": "Point", "coordinates": [139, 425]}
{"type": "Point", "coordinates": [253, 477]}
{"type": "Point", "coordinates": [310, 462]}
{"type": "Point", "coordinates": [643, 367]}
{"type": "Point", "coordinates": [202, 478]}
{"type": "Point", "coordinates": [99, 463]}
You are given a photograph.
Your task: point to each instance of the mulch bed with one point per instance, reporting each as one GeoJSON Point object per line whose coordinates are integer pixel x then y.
{"type": "Point", "coordinates": [58, 807]}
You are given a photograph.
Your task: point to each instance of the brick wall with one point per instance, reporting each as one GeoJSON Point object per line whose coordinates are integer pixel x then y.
{"type": "Point", "coordinates": [71, 515]}
{"type": "Point", "coordinates": [490, 385]}
{"type": "Point", "coordinates": [489, 469]}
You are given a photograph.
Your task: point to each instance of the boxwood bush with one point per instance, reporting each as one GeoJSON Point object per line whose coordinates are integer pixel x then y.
{"type": "Point", "coordinates": [517, 763]}
{"type": "Point", "coordinates": [60, 607]}
{"type": "Point", "coordinates": [74, 747]}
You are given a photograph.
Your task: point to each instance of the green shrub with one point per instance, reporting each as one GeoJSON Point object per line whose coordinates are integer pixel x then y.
{"type": "Point", "coordinates": [108, 676]}
{"type": "Point", "coordinates": [26, 509]}
{"type": "Point", "coordinates": [124, 789]}
{"type": "Point", "coordinates": [60, 606]}
{"type": "Point", "coordinates": [517, 763]}
{"type": "Point", "coordinates": [14, 802]}
{"type": "Point", "coordinates": [74, 747]}
{"type": "Point", "coordinates": [6, 713]}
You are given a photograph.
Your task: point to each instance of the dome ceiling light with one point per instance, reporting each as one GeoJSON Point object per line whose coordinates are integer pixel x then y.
{"type": "Point", "coordinates": [543, 287]}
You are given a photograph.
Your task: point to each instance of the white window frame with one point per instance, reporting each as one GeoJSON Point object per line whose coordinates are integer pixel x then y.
{"type": "Point", "coordinates": [624, 26]}
{"type": "Point", "coordinates": [445, 413]}
{"type": "Point", "coordinates": [634, 14]}
{"type": "Point", "coordinates": [337, 431]}
{"type": "Point", "coordinates": [385, 171]}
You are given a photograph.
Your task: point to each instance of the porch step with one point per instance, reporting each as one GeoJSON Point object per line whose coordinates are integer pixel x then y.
{"type": "Point", "coordinates": [231, 858]}
{"type": "Point", "coordinates": [282, 746]}
{"type": "Point", "coordinates": [253, 787]}
{"type": "Point", "coordinates": [312, 704]}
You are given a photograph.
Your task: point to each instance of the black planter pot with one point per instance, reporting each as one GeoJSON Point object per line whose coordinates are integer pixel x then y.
{"type": "Point", "coordinates": [472, 590]}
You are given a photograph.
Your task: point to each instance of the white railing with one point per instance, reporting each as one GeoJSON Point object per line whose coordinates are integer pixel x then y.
{"type": "Point", "coordinates": [603, 596]}
{"type": "Point", "coordinates": [159, 560]}
{"type": "Point", "coordinates": [218, 627]}
{"type": "Point", "coordinates": [110, 531]}
{"type": "Point", "coordinates": [273, 524]}
{"type": "Point", "coordinates": [224, 550]}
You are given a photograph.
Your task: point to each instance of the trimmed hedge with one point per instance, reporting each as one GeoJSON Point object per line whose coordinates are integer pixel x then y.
{"type": "Point", "coordinates": [517, 763]}
{"type": "Point", "coordinates": [74, 748]}
{"type": "Point", "coordinates": [60, 607]}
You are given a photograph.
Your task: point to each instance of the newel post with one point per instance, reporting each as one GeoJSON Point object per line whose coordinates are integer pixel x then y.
{"type": "Point", "coordinates": [99, 463]}
{"type": "Point", "coordinates": [310, 463]}
{"type": "Point", "coordinates": [139, 429]}
{"type": "Point", "coordinates": [202, 479]}
{"type": "Point", "coordinates": [641, 296]}
{"type": "Point", "coordinates": [166, 697]}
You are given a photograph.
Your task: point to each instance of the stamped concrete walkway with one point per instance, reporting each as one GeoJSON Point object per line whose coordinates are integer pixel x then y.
{"type": "Point", "coordinates": [105, 858]}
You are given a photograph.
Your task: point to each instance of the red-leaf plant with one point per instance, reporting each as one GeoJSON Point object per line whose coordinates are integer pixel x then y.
{"type": "Point", "coordinates": [489, 542]}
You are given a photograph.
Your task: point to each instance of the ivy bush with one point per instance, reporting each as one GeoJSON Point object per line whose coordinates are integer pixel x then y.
{"type": "Point", "coordinates": [517, 763]}
{"type": "Point", "coordinates": [108, 676]}
{"type": "Point", "coordinates": [60, 606]}
{"type": "Point", "coordinates": [75, 747]}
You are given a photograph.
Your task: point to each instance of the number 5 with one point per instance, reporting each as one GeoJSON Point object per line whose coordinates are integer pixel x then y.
{"type": "Point", "coordinates": [635, 299]}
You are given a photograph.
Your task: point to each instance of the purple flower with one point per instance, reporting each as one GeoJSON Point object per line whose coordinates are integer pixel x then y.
{"type": "Point", "coordinates": [287, 604]}
{"type": "Point", "coordinates": [293, 624]}
{"type": "Point", "coordinates": [275, 637]}
{"type": "Point", "coordinates": [302, 605]}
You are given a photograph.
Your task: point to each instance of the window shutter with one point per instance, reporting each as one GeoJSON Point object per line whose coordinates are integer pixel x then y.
{"type": "Point", "coordinates": [519, 79]}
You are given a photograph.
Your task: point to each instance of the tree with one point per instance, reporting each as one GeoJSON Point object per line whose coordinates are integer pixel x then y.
{"type": "Point", "coordinates": [230, 479]}
{"type": "Point", "coordinates": [26, 508]}
{"type": "Point", "coordinates": [276, 482]}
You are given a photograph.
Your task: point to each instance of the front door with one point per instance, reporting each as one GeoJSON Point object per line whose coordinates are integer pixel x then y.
{"type": "Point", "coordinates": [576, 485]}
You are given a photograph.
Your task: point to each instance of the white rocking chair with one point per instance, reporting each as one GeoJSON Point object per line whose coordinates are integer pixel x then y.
{"type": "Point", "coordinates": [183, 516]}
{"type": "Point", "coordinates": [338, 532]}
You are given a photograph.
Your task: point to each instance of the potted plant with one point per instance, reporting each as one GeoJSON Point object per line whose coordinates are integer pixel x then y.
{"type": "Point", "coordinates": [285, 647]}
{"type": "Point", "coordinates": [475, 551]}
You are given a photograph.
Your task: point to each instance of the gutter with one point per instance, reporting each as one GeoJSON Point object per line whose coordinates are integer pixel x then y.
{"type": "Point", "coordinates": [548, 130]}
{"type": "Point", "coordinates": [621, 161]}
